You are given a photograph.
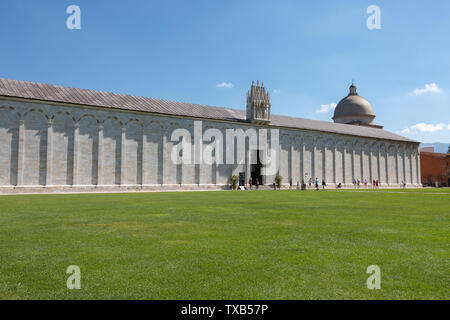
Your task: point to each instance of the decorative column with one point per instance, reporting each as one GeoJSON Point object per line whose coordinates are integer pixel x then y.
{"type": "Point", "coordinates": [386, 161]}
{"type": "Point", "coordinates": [411, 166]}
{"type": "Point", "coordinates": [344, 181]}
{"type": "Point", "coordinates": [419, 178]}
{"type": "Point", "coordinates": [378, 162]}
{"type": "Point", "coordinates": [361, 163]}
{"type": "Point", "coordinates": [48, 175]}
{"type": "Point", "coordinates": [404, 153]}
{"type": "Point", "coordinates": [20, 155]}
{"type": "Point", "coordinates": [334, 146]}
{"type": "Point", "coordinates": [248, 159]}
{"type": "Point", "coordinates": [353, 161]}
{"type": "Point", "coordinates": [219, 150]}
{"type": "Point", "coordinates": [396, 166]}
{"type": "Point", "coordinates": [164, 130]}
{"type": "Point", "coordinates": [323, 148]}
{"type": "Point", "coordinates": [198, 150]}
{"type": "Point", "coordinates": [144, 158]}
{"type": "Point", "coordinates": [370, 165]}
{"type": "Point", "coordinates": [76, 142]}
{"type": "Point", "coordinates": [100, 156]}
{"type": "Point", "coordinates": [216, 161]}
{"type": "Point", "coordinates": [123, 156]}
{"type": "Point", "coordinates": [291, 160]}
{"type": "Point", "coordinates": [301, 158]}
{"type": "Point", "coordinates": [313, 159]}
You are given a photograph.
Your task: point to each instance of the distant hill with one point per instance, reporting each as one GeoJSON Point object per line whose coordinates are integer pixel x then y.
{"type": "Point", "coordinates": [438, 146]}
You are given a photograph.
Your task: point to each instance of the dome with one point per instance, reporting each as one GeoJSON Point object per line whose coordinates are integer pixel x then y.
{"type": "Point", "coordinates": [354, 109]}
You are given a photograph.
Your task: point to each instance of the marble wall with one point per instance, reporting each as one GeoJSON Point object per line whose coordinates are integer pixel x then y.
{"type": "Point", "coordinates": [69, 148]}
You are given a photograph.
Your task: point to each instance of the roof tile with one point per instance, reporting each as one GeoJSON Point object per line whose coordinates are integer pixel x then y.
{"type": "Point", "coordinates": [45, 92]}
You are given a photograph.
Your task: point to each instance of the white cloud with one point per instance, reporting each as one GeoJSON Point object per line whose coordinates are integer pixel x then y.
{"type": "Point", "coordinates": [429, 88]}
{"type": "Point", "coordinates": [276, 91]}
{"type": "Point", "coordinates": [325, 108]}
{"type": "Point", "coordinates": [426, 127]}
{"type": "Point", "coordinates": [228, 85]}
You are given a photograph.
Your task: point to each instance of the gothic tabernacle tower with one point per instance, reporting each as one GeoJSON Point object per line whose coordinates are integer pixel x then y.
{"type": "Point", "coordinates": [258, 104]}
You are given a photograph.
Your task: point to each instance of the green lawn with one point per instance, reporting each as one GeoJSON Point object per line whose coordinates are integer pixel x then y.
{"type": "Point", "coordinates": [227, 245]}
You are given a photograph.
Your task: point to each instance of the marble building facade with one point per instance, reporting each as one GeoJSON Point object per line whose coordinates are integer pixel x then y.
{"type": "Point", "coordinates": [58, 139]}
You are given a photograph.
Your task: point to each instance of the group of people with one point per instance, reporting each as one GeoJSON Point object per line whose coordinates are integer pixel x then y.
{"type": "Point", "coordinates": [250, 183]}
{"type": "Point", "coordinates": [302, 186]}
{"type": "Point", "coordinates": [357, 183]}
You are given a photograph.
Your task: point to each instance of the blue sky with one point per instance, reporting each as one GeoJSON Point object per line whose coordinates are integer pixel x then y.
{"type": "Point", "coordinates": [306, 52]}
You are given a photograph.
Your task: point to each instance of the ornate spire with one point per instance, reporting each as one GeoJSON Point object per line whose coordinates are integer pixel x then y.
{"type": "Point", "coordinates": [258, 104]}
{"type": "Point", "coordinates": [353, 90]}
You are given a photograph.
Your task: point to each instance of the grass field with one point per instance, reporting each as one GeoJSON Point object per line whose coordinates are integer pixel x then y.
{"type": "Point", "coordinates": [227, 245]}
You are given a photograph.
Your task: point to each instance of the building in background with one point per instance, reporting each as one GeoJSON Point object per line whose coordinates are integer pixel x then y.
{"type": "Point", "coordinates": [434, 167]}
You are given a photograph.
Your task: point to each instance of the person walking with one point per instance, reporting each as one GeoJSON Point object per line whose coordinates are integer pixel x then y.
{"type": "Point", "coordinates": [317, 184]}
{"type": "Point", "coordinates": [354, 183]}
{"type": "Point", "coordinates": [358, 183]}
{"type": "Point", "coordinates": [323, 184]}
{"type": "Point", "coordinates": [250, 183]}
{"type": "Point", "coordinates": [290, 183]}
{"type": "Point", "coordinates": [365, 183]}
{"type": "Point", "coordinates": [257, 183]}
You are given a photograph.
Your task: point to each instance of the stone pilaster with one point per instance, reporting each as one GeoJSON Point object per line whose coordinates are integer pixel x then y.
{"type": "Point", "coordinates": [353, 162]}
{"type": "Point", "coordinates": [48, 173]}
{"type": "Point", "coordinates": [165, 153]}
{"type": "Point", "coordinates": [144, 158]}
{"type": "Point", "coordinates": [123, 155]}
{"type": "Point", "coordinates": [419, 178]}
{"type": "Point", "coordinates": [76, 147]}
{"type": "Point", "coordinates": [291, 161]}
{"type": "Point", "coordinates": [386, 161]}
{"type": "Point", "coordinates": [344, 180]}
{"type": "Point", "coordinates": [411, 166]}
{"type": "Point", "coordinates": [20, 156]}
{"type": "Point", "coordinates": [361, 163]}
{"type": "Point", "coordinates": [405, 160]}
{"type": "Point", "coordinates": [100, 156]}
{"type": "Point", "coordinates": [404, 165]}
{"type": "Point", "coordinates": [378, 162]}
{"type": "Point", "coordinates": [333, 152]}
{"type": "Point", "coordinates": [397, 174]}
{"type": "Point", "coordinates": [301, 158]}
{"type": "Point", "coordinates": [248, 160]}
{"type": "Point", "coordinates": [313, 159]}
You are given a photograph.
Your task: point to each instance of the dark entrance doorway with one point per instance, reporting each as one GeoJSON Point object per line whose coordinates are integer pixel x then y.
{"type": "Point", "coordinates": [256, 170]}
{"type": "Point", "coordinates": [241, 179]}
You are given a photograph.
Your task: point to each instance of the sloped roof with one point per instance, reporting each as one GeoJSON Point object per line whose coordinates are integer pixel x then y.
{"type": "Point", "coordinates": [46, 92]}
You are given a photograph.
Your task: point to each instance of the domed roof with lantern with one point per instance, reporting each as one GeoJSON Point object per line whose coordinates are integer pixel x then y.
{"type": "Point", "coordinates": [354, 109]}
